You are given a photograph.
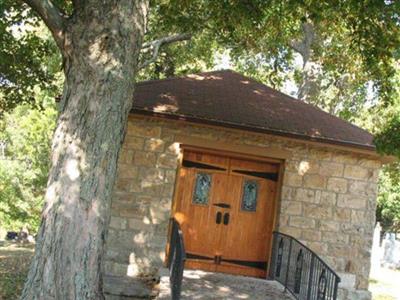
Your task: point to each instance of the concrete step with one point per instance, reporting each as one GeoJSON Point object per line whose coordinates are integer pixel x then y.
{"type": "Point", "coordinates": [205, 285]}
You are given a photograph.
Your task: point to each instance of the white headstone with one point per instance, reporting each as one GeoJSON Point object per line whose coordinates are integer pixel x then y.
{"type": "Point", "coordinates": [391, 256]}
{"type": "Point", "coordinates": [376, 254]}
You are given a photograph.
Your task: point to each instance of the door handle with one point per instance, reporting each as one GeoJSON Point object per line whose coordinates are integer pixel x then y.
{"type": "Point", "coordinates": [226, 218]}
{"type": "Point", "coordinates": [218, 218]}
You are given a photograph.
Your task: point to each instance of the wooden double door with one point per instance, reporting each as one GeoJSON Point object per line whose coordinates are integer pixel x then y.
{"type": "Point", "coordinates": [226, 209]}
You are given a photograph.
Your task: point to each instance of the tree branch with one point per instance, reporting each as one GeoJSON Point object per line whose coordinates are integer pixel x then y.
{"type": "Point", "coordinates": [77, 4]}
{"type": "Point", "coordinates": [51, 16]}
{"type": "Point", "coordinates": [157, 44]}
{"type": "Point", "coordinates": [303, 46]}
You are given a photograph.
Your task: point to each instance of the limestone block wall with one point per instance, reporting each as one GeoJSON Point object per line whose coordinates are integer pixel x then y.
{"type": "Point", "coordinates": [141, 201]}
{"type": "Point", "coordinates": [327, 199]}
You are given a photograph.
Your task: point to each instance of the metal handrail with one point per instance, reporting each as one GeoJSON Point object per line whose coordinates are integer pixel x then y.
{"type": "Point", "coordinates": [301, 271]}
{"type": "Point", "coordinates": [176, 259]}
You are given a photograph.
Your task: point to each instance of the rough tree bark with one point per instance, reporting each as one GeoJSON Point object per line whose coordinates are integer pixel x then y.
{"type": "Point", "coordinates": [100, 43]}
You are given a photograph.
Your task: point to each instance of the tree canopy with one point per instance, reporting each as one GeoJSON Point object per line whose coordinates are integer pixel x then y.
{"type": "Point", "coordinates": [28, 56]}
{"type": "Point", "coordinates": [351, 44]}
{"type": "Point", "coordinates": [354, 41]}
{"type": "Point", "coordinates": [340, 55]}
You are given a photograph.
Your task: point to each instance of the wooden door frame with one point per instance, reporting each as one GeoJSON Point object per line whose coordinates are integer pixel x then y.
{"type": "Point", "coordinates": [255, 153]}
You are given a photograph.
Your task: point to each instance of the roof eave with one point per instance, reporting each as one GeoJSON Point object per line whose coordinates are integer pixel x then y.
{"type": "Point", "coordinates": [371, 150]}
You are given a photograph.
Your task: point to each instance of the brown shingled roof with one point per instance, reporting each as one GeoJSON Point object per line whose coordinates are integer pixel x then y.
{"type": "Point", "coordinates": [226, 98]}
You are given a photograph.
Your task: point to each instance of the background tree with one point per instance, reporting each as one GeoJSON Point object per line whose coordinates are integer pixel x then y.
{"type": "Point", "coordinates": [384, 120]}
{"type": "Point", "coordinates": [26, 134]}
{"type": "Point", "coordinates": [100, 43]}
{"type": "Point", "coordinates": [28, 56]}
{"type": "Point", "coordinates": [388, 209]}
{"type": "Point", "coordinates": [354, 39]}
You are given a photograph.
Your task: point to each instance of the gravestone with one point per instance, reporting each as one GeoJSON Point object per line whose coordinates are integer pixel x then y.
{"type": "Point", "coordinates": [377, 250]}
{"type": "Point", "coordinates": [391, 246]}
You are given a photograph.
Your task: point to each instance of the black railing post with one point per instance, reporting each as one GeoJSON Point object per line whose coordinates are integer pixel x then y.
{"type": "Point", "coordinates": [271, 267]}
{"type": "Point", "coordinates": [288, 263]}
{"type": "Point", "coordinates": [311, 277]}
{"type": "Point", "coordinates": [336, 288]}
{"type": "Point", "coordinates": [176, 260]}
{"type": "Point", "coordinates": [310, 264]}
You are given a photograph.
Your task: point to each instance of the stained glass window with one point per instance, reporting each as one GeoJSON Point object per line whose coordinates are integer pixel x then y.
{"type": "Point", "coordinates": [249, 197]}
{"type": "Point", "coordinates": [202, 188]}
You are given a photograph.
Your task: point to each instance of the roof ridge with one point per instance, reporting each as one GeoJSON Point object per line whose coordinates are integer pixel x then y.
{"type": "Point", "coordinates": [150, 81]}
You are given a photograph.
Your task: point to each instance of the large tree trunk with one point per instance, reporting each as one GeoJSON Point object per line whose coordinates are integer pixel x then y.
{"type": "Point", "coordinates": [101, 48]}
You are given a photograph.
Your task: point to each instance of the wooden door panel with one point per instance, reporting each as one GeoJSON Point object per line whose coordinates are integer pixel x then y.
{"type": "Point", "coordinates": [204, 265]}
{"type": "Point", "coordinates": [238, 270]}
{"type": "Point", "coordinates": [198, 221]}
{"type": "Point", "coordinates": [252, 165]}
{"type": "Point", "coordinates": [242, 245]}
{"type": "Point", "coordinates": [246, 239]}
{"type": "Point", "coordinates": [214, 162]}
{"type": "Point", "coordinates": [248, 235]}
{"type": "Point", "coordinates": [199, 227]}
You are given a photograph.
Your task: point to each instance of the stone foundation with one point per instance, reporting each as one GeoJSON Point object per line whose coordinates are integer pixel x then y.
{"type": "Point", "coordinates": [327, 200]}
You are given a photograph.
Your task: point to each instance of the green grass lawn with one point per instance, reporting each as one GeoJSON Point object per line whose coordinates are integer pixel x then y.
{"type": "Point", "coordinates": [14, 265]}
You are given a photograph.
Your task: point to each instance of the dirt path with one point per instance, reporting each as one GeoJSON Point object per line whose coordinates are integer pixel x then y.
{"type": "Point", "coordinates": [385, 285]}
{"type": "Point", "coordinates": [217, 286]}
